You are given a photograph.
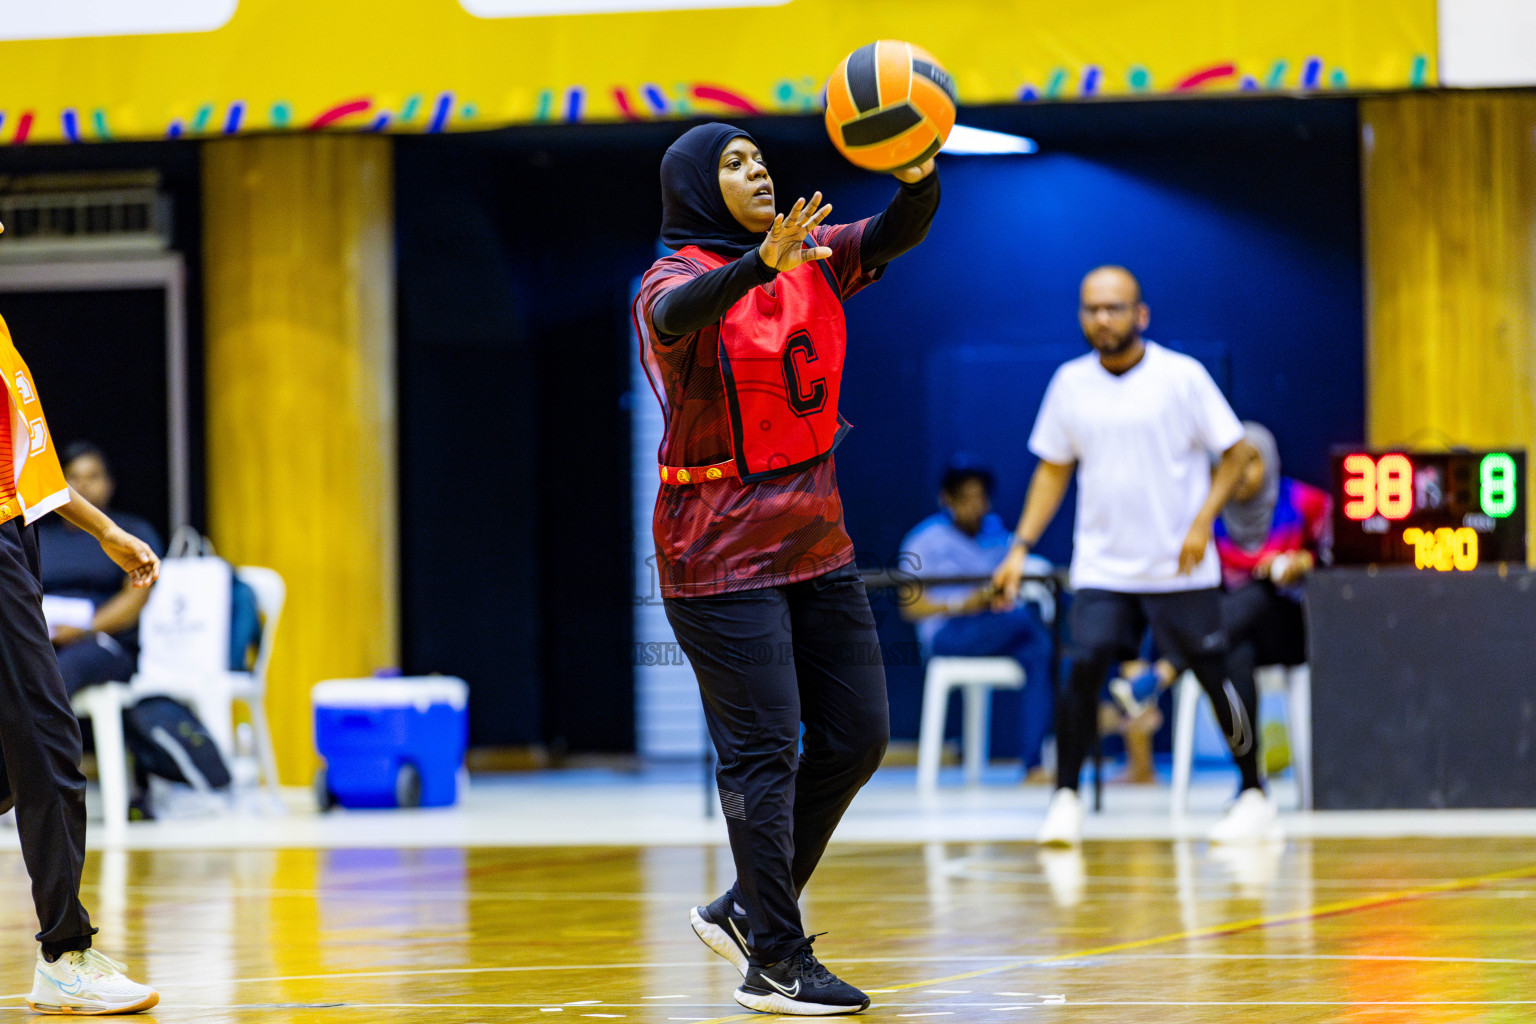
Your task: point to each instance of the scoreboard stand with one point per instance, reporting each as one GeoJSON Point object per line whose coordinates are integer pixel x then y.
{"type": "Point", "coordinates": [1423, 688]}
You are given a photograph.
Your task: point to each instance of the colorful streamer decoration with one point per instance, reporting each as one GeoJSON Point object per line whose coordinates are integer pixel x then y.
{"type": "Point", "coordinates": [573, 104]}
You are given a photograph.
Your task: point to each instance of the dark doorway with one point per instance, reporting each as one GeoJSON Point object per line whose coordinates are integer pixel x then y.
{"type": "Point", "coordinates": [99, 359]}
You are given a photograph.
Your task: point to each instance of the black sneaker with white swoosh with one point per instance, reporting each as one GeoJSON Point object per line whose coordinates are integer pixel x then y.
{"type": "Point", "coordinates": [798, 985]}
{"type": "Point", "coordinates": [723, 930]}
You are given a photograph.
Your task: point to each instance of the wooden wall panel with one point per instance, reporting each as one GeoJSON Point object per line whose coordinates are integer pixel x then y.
{"type": "Point", "coordinates": [1450, 241]}
{"type": "Point", "coordinates": [301, 402]}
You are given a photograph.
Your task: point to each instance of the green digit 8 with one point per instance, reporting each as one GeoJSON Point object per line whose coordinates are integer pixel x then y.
{"type": "Point", "coordinates": [1496, 477]}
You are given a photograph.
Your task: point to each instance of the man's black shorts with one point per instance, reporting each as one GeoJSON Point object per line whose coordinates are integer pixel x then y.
{"type": "Point", "coordinates": [1185, 622]}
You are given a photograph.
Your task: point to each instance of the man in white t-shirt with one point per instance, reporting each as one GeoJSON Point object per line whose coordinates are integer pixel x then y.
{"type": "Point", "coordinates": [1140, 425]}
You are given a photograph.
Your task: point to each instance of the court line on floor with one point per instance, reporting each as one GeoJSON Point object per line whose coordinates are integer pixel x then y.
{"type": "Point", "coordinates": [516, 969]}
{"type": "Point", "coordinates": [216, 892]}
{"type": "Point", "coordinates": [1350, 957]}
{"type": "Point", "coordinates": [202, 893]}
{"type": "Point", "coordinates": [1004, 963]}
{"type": "Point", "coordinates": [1235, 927]}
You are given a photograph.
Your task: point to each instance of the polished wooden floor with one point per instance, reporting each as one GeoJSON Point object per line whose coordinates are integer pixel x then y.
{"type": "Point", "coordinates": [1422, 930]}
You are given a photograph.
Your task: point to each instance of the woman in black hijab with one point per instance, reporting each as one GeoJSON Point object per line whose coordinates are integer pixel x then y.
{"type": "Point", "coordinates": [743, 336]}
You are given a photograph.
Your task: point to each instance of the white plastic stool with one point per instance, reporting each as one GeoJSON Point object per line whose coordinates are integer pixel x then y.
{"type": "Point", "coordinates": [1297, 682]}
{"type": "Point", "coordinates": [976, 678]}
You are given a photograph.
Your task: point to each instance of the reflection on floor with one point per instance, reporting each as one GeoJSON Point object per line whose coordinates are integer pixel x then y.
{"type": "Point", "coordinates": [566, 895]}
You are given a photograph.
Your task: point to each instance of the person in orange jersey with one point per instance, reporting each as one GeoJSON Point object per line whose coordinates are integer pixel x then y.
{"type": "Point", "coordinates": [39, 738]}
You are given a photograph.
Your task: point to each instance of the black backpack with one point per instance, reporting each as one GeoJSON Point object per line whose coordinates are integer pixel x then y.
{"type": "Point", "coordinates": [167, 740]}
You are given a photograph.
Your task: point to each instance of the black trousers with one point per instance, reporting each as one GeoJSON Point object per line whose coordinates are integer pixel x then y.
{"type": "Point", "coordinates": [40, 750]}
{"type": "Point", "coordinates": [769, 661]}
{"type": "Point", "coordinates": [1264, 627]}
{"type": "Point", "coordinates": [1107, 627]}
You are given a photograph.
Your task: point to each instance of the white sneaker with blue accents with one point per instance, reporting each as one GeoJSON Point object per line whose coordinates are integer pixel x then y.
{"type": "Point", "coordinates": [87, 983]}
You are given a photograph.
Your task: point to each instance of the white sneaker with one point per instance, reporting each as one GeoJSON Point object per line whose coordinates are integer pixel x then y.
{"type": "Point", "coordinates": [86, 982]}
{"type": "Point", "coordinates": [1063, 820]}
{"type": "Point", "coordinates": [1251, 820]}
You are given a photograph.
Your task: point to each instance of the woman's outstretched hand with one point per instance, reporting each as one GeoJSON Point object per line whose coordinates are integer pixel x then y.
{"type": "Point", "coordinates": [783, 247]}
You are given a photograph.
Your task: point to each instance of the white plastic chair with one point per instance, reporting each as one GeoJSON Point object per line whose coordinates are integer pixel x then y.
{"type": "Point", "coordinates": [1296, 680]}
{"type": "Point", "coordinates": [211, 695]}
{"type": "Point", "coordinates": [976, 678]}
{"type": "Point", "coordinates": [103, 704]}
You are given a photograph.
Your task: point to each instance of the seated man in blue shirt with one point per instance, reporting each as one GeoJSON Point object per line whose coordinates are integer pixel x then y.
{"type": "Point", "coordinates": [967, 539]}
{"type": "Point", "coordinates": [103, 645]}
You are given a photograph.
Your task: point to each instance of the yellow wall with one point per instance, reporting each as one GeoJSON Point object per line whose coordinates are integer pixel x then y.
{"type": "Point", "coordinates": [298, 257]}
{"type": "Point", "coordinates": [1450, 239]}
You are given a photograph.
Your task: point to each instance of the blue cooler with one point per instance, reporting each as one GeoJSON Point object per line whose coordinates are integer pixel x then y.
{"type": "Point", "coordinates": [390, 742]}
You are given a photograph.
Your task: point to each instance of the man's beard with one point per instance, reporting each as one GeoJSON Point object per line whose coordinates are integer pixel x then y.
{"type": "Point", "coordinates": [1117, 345]}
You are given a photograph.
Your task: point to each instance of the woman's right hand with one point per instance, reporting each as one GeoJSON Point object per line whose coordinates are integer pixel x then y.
{"type": "Point", "coordinates": [783, 248]}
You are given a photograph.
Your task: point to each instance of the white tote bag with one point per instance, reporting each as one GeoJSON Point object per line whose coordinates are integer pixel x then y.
{"type": "Point", "coordinates": [184, 628]}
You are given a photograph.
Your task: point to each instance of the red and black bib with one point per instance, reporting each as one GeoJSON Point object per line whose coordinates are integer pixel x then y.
{"type": "Point", "coordinates": [781, 364]}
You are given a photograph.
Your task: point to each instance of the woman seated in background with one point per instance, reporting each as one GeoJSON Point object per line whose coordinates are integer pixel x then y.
{"type": "Point", "coordinates": [1270, 536]}
{"type": "Point", "coordinates": [1272, 533]}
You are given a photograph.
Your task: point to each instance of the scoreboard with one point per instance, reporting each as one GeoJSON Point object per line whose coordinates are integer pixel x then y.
{"type": "Point", "coordinates": [1447, 511]}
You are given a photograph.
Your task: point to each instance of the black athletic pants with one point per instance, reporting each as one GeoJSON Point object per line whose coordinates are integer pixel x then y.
{"type": "Point", "coordinates": [1107, 627]}
{"type": "Point", "coordinates": [1264, 627]}
{"type": "Point", "coordinates": [40, 750]}
{"type": "Point", "coordinates": [769, 661]}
